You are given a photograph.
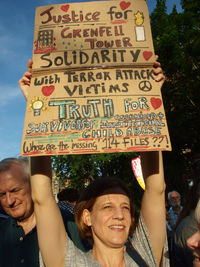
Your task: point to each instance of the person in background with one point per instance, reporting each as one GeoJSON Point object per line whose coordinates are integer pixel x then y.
{"type": "Point", "coordinates": [172, 215]}
{"type": "Point", "coordinates": [194, 241]}
{"type": "Point", "coordinates": [174, 200]}
{"type": "Point", "coordinates": [18, 236]}
{"type": "Point", "coordinates": [18, 233]}
{"type": "Point", "coordinates": [67, 199]}
{"type": "Point", "coordinates": [187, 225]}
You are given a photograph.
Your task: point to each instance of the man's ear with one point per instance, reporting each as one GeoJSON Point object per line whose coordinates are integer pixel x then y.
{"type": "Point", "coordinates": [86, 217]}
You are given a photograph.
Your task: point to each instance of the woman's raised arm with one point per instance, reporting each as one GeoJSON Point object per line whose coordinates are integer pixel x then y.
{"type": "Point", "coordinates": [50, 227]}
{"type": "Point", "coordinates": [153, 202]}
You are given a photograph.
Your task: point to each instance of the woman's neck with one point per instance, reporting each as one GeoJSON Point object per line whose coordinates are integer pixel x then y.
{"type": "Point", "coordinates": [109, 257]}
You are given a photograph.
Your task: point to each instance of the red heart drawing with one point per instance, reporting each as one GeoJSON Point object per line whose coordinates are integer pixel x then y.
{"type": "Point", "coordinates": [124, 5]}
{"type": "Point", "coordinates": [156, 102]}
{"type": "Point", "coordinates": [147, 55]}
{"type": "Point", "coordinates": [48, 90]}
{"type": "Point", "coordinates": [65, 8]}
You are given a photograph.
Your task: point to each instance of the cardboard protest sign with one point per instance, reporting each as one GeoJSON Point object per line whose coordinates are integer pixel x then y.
{"type": "Point", "coordinates": [92, 34]}
{"type": "Point", "coordinates": [106, 99]}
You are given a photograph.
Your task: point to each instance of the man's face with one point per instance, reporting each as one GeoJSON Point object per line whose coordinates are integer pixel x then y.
{"type": "Point", "coordinates": [174, 199]}
{"type": "Point", "coordinates": [15, 193]}
{"type": "Point", "coordinates": [194, 243]}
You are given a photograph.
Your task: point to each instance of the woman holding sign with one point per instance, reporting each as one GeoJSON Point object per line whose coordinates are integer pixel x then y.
{"type": "Point", "coordinates": [104, 214]}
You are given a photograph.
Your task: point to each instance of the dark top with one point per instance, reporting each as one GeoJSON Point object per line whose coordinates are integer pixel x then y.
{"type": "Point", "coordinates": [16, 248]}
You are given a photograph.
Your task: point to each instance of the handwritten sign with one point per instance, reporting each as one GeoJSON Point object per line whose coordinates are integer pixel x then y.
{"type": "Point", "coordinates": [108, 33]}
{"type": "Point", "coordinates": [103, 101]}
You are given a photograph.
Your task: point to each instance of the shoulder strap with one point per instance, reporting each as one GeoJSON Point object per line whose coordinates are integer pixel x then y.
{"type": "Point", "coordinates": [135, 255]}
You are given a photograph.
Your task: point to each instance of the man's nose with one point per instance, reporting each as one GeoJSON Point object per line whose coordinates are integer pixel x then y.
{"type": "Point", "coordinates": [9, 198]}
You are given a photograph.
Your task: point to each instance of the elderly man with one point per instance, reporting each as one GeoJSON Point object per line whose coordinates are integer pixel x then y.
{"type": "Point", "coordinates": [194, 241]}
{"type": "Point", "coordinates": [18, 237]}
{"type": "Point", "coordinates": [174, 200]}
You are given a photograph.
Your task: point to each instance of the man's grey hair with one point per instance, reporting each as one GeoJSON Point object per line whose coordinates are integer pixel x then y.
{"type": "Point", "coordinates": [197, 212]}
{"type": "Point", "coordinates": [7, 163]}
{"type": "Point", "coordinates": [169, 194]}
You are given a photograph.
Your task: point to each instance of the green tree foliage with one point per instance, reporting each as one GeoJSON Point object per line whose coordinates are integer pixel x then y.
{"type": "Point", "coordinates": [177, 42]}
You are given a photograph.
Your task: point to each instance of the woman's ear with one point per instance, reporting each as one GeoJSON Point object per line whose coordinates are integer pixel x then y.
{"type": "Point", "coordinates": [86, 217]}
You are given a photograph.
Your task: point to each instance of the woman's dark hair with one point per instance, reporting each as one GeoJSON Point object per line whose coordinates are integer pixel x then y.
{"type": "Point", "coordinates": [101, 186]}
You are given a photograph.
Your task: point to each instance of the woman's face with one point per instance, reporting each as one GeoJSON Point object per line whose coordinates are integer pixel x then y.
{"type": "Point", "coordinates": [110, 220]}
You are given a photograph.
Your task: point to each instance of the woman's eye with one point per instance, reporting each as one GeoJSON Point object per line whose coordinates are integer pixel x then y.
{"type": "Point", "coordinates": [126, 208]}
{"type": "Point", "coordinates": [107, 207]}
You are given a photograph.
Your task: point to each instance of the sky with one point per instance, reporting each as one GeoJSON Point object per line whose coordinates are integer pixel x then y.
{"type": "Point", "coordinates": [16, 43]}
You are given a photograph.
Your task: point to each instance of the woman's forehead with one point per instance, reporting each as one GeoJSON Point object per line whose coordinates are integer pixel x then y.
{"type": "Point", "coordinates": [113, 198]}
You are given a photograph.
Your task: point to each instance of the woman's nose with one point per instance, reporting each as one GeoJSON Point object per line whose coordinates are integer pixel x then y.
{"type": "Point", "coordinates": [118, 213]}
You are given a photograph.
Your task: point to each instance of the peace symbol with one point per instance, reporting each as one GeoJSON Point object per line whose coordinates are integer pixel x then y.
{"type": "Point", "coordinates": [145, 86]}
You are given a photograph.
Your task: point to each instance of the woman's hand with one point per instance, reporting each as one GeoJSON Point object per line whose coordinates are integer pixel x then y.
{"type": "Point", "coordinates": [25, 81]}
{"type": "Point", "coordinates": [158, 72]}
